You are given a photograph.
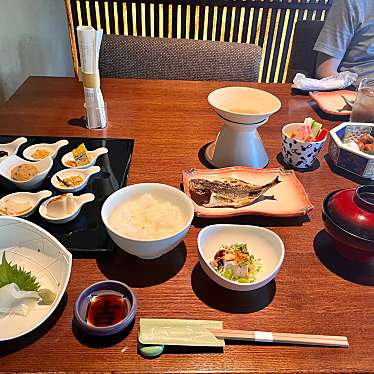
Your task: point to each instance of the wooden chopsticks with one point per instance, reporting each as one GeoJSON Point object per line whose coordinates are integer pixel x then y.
{"type": "Point", "coordinates": [279, 337]}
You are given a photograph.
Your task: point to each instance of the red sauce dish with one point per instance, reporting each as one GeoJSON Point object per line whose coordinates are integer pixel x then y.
{"type": "Point", "coordinates": [348, 216]}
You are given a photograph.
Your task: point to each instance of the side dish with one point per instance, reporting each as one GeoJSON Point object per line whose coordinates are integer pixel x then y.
{"type": "Point", "coordinates": [227, 192]}
{"type": "Point", "coordinates": [12, 207]}
{"type": "Point", "coordinates": [81, 158]}
{"type": "Point", "coordinates": [71, 163]}
{"type": "Point", "coordinates": [145, 217]}
{"type": "Point", "coordinates": [24, 172]}
{"type": "Point", "coordinates": [73, 181]}
{"type": "Point", "coordinates": [365, 143]}
{"type": "Point", "coordinates": [20, 291]}
{"type": "Point", "coordinates": [80, 155]}
{"type": "Point", "coordinates": [311, 131]}
{"type": "Point", "coordinates": [39, 154]}
{"type": "Point", "coordinates": [61, 206]}
{"type": "Point", "coordinates": [234, 262]}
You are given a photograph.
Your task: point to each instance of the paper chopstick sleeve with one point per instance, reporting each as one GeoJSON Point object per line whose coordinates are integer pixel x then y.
{"type": "Point", "coordinates": [263, 336]}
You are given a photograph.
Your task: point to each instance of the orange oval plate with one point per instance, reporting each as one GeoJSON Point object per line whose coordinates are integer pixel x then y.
{"type": "Point", "coordinates": [277, 201]}
{"type": "Point", "coordinates": [332, 102]}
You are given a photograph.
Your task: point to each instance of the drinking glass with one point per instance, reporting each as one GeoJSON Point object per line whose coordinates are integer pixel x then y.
{"type": "Point", "coordinates": [363, 108]}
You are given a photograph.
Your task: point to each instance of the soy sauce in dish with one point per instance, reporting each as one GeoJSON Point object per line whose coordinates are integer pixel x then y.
{"type": "Point", "coordinates": [106, 309]}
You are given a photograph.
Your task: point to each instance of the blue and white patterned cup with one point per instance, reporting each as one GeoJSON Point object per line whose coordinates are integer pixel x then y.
{"type": "Point", "coordinates": [297, 153]}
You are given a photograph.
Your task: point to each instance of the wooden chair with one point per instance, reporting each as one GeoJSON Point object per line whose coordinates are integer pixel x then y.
{"type": "Point", "coordinates": [266, 23]}
{"type": "Point", "coordinates": [303, 58]}
{"type": "Point", "coordinates": [183, 59]}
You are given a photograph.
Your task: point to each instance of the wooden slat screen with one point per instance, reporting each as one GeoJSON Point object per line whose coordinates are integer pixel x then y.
{"type": "Point", "coordinates": [268, 23]}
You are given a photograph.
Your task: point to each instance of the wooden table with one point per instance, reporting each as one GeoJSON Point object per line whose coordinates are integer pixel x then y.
{"type": "Point", "coordinates": [316, 291]}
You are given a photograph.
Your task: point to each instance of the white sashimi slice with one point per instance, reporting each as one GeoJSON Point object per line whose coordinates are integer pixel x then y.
{"type": "Point", "coordinates": [15, 301]}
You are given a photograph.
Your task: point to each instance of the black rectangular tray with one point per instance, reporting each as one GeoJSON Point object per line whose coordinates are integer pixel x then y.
{"type": "Point", "coordinates": [86, 235]}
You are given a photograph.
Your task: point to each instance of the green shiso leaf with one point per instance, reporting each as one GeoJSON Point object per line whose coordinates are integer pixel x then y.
{"type": "Point", "coordinates": [14, 274]}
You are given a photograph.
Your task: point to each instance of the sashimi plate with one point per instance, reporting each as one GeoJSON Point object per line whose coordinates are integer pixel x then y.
{"type": "Point", "coordinates": [285, 199]}
{"type": "Point", "coordinates": [34, 249]}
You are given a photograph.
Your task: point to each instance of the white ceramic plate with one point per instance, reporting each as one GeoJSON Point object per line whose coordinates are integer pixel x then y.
{"type": "Point", "coordinates": [45, 257]}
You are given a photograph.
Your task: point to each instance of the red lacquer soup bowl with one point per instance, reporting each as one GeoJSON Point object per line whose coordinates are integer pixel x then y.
{"type": "Point", "coordinates": [348, 216]}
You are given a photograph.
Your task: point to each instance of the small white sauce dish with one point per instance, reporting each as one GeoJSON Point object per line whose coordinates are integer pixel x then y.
{"type": "Point", "coordinates": [152, 248]}
{"type": "Point", "coordinates": [12, 147]}
{"type": "Point", "coordinates": [262, 243]}
{"type": "Point", "coordinates": [66, 216]}
{"type": "Point", "coordinates": [43, 166]}
{"type": "Point", "coordinates": [92, 155]}
{"type": "Point", "coordinates": [9, 204]}
{"type": "Point", "coordinates": [52, 148]}
{"type": "Point", "coordinates": [67, 173]}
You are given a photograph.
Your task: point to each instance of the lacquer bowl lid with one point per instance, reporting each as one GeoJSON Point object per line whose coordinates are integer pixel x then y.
{"type": "Point", "coordinates": [353, 210]}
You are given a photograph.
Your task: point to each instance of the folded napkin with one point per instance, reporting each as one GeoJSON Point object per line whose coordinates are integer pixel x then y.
{"type": "Point", "coordinates": [335, 82]}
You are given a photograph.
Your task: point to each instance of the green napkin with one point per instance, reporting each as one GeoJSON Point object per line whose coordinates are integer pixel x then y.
{"type": "Point", "coordinates": [179, 332]}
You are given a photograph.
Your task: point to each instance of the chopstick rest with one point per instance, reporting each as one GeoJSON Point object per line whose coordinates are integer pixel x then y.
{"type": "Point", "coordinates": [277, 337]}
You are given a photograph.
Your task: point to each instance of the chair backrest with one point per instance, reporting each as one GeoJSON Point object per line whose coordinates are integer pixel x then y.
{"type": "Point", "coordinates": [267, 23]}
{"type": "Point", "coordinates": [159, 58]}
{"type": "Point", "coordinates": [303, 58]}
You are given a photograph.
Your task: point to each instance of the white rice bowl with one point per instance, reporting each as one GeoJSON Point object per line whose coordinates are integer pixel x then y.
{"type": "Point", "coordinates": [147, 220]}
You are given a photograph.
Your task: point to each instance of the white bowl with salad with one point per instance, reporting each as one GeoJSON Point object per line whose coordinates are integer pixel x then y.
{"type": "Point", "coordinates": [240, 257]}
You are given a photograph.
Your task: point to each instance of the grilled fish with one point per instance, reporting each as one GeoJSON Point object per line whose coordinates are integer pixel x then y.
{"type": "Point", "coordinates": [227, 192]}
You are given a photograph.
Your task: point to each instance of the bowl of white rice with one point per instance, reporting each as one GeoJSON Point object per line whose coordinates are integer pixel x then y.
{"type": "Point", "coordinates": [147, 220]}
